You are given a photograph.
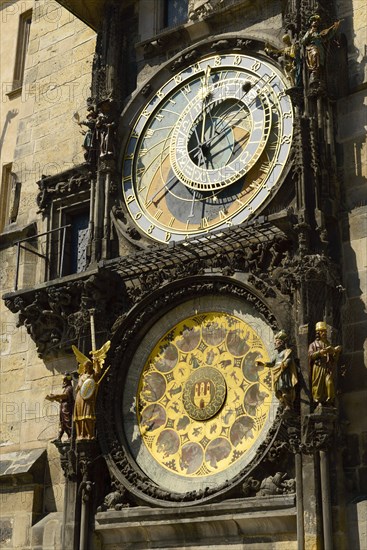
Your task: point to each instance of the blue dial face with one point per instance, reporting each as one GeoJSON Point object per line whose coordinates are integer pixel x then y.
{"type": "Point", "coordinates": [208, 148]}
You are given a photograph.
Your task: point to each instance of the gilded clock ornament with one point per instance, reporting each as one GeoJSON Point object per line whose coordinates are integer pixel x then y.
{"type": "Point", "coordinates": [201, 401]}
{"type": "Point", "coordinates": [208, 148]}
{"type": "Point", "coordinates": [204, 393]}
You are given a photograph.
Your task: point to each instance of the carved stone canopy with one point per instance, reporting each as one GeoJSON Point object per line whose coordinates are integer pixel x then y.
{"type": "Point", "coordinates": [68, 182]}
{"type": "Point", "coordinates": [56, 313]}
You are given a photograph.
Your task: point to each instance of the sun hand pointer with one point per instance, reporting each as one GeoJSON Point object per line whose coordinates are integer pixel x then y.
{"type": "Point", "coordinates": [165, 186]}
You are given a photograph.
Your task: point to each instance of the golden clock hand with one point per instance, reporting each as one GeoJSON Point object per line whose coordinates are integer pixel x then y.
{"type": "Point", "coordinates": [199, 147]}
{"type": "Point", "coordinates": [204, 90]}
{"type": "Point", "coordinates": [246, 87]}
{"type": "Point", "coordinates": [218, 134]}
{"type": "Point", "coordinates": [163, 187]}
{"type": "Point", "coordinates": [203, 110]}
{"type": "Point", "coordinates": [218, 131]}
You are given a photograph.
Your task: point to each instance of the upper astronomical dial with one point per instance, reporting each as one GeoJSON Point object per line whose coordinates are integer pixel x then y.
{"type": "Point", "coordinates": [208, 148]}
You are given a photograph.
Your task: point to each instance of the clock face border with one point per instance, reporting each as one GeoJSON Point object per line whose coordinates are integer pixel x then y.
{"type": "Point", "coordinates": [153, 462]}
{"type": "Point", "coordinates": [131, 331]}
{"type": "Point", "coordinates": [240, 198]}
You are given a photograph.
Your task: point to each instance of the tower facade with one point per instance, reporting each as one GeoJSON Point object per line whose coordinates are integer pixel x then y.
{"type": "Point", "coordinates": [186, 206]}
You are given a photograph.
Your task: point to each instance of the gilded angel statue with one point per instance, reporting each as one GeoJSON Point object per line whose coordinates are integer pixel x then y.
{"type": "Point", "coordinates": [90, 375]}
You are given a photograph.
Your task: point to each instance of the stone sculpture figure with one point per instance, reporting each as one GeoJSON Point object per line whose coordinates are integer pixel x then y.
{"type": "Point", "coordinates": [105, 126]}
{"type": "Point", "coordinates": [66, 400]}
{"type": "Point", "coordinates": [272, 485]}
{"type": "Point", "coordinates": [90, 375]}
{"type": "Point", "coordinates": [323, 361]}
{"type": "Point", "coordinates": [284, 371]}
{"type": "Point", "coordinates": [315, 43]}
{"type": "Point", "coordinates": [89, 144]}
{"type": "Point", "coordinates": [198, 9]}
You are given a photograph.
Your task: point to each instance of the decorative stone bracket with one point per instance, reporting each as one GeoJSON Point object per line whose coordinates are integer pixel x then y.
{"type": "Point", "coordinates": [69, 182]}
{"type": "Point", "coordinates": [56, 314]}
{"type": "Point", "coordinates": [319, 430]}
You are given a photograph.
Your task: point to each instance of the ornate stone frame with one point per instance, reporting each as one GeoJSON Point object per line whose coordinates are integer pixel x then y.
{"type": "Point", "coordinates": [122, 467]}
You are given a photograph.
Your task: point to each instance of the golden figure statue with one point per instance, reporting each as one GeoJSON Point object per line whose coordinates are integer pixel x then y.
{"type": "Point", "coordinates": [289, 56]}
{"type": "Point", "coordinates": [90, 376]}
{"type": "Point", "coordinates": [323, 360]}
{"type": "Point", "coordinates": [314, 41]}
{"type": "Point", "coordinates": [284, 371]}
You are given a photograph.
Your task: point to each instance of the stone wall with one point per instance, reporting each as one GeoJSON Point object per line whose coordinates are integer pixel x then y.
{"type": "Point", "coordinates": [43, 139]}
{"type": "Point", "coordinates": [10, 101]}
{"type": "Point", "coordinates": [351, 136]}
{"type": "Point", "coordinates": [56, 84]}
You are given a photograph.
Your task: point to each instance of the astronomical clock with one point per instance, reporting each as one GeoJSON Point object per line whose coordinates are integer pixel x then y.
{"type": "Point", "coordinates": [205, 220]}
{"type": "Point", "coordinates": [190, 407]}
{"type": "Point", "coordinates": [206, 148]}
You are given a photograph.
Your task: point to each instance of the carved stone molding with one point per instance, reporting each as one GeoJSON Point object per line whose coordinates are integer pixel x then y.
{"type": "Point", "coordinates": [68, 459]}
{"type": "Point", "coordinates": [199, 9]}
{"type": "Point", "coordinates": [87, 450]}
{"type": "Point", "coordinates": [117, 499]}
{"type": "Point", "coordinates": [305, 269]}
{"type": "Point", "coordinates": [253, 249]}
{"type": "Point", "coordinates": [69, 182]}
{"type": "Point", "coordinates": [127, 334]}
{"type": "Point", "coordinates": [319, 430]}
{"type": "Point", "coordinates": [275, 263]}
{"type": "Point", "coordinates": [56, 315]}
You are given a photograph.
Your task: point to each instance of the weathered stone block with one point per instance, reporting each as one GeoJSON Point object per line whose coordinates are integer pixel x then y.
{"type": "Point", "coordinates": [355, 378]}
{"type": "Point", "coordinates": [84, 50]}
{"type": "Point", "coordinates": [33, 46]}
{"type": "Point", "coordinates": [355, 407]}
{"type": "Point", "coordinates": [51, 38]}
{"type": "Point", "coordinates": [24, 150]}
{"type": "Point", "coordinates": [66, 18]}
{"type": "Point", "coordinates": [358, 222]}
{"type": "Point", "coordinates": [24, 137]}
{"type": "Point", "coordinates": [13, 379]}
{"type": "Point", "coordinates": [36, 431]}
{"type": "Point", "coordinates": [22, 525]}
{"type": "Point", "coordinates": [356, 311]}
{"type": "Point", "coordinates": [37, 371]}
{"type": "Point", "coordinates": [53, 66]}
{"type": "Point", "coordinates": [6, 532]}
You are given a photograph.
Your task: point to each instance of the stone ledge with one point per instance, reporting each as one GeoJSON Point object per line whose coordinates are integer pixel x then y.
{"type": "Point", "coordinates": [262, 519]}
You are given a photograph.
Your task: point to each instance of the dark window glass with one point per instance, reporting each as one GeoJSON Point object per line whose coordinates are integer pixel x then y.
{"type": "Point", "coordinates": [175, 12]}
{"type": "Point", "coordinates": [25, 21]}
{"type": "Point", "coordinates": [6, 182]}
{"type": "Point", "coordinates": [79, 242]}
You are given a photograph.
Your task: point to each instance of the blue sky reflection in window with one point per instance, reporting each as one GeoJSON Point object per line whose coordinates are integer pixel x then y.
{"type": "Point", "coordinates": [176, 12]}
